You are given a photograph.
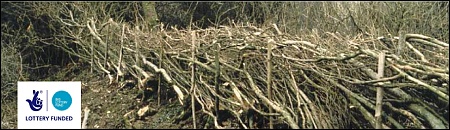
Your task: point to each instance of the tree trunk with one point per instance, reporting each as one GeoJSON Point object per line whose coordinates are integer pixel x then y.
{"type": "Point", "coordinates": [149, 13]}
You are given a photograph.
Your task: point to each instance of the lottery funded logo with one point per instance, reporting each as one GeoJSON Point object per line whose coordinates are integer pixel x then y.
{"type": "Point", "coordinates": [49, 105]}
{"type": "Point", "coordinates": [35, 102]}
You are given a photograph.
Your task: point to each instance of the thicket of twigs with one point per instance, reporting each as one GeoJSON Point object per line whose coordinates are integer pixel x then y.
{"type": "Point", "coordinates": [316, 81]}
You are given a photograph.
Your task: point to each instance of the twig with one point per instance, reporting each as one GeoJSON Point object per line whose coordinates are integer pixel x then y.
{"type": "Point", "coordinates": [93, 31]}
{"type": "Point", "coordinates": [375, 81]}
{"type": "Point", "coordinates": [216, 123]}
{"type": "Point", "coordinates": [278, 30]}
{"type": "Point", "coordinates": [408, 114]}
{"type": "Point", "coordinates": [308, 101]}
{"type": "Point", "coordinates": [300, 95]}
{"type": "Point", "coordinates": [417, 52]}
{"type": "Point", "coordinates": [259, 93]}
{"type": "Point", "coordinates": [427, 38]}
{"type": "Point", "coordinates": [429, 87]}
{"type": "Point", "coordinates": [146, 75]}
{"type": "Point", "coordinates": [86, 114]}
{"type": "Point", "coordinates": [167, 78]}
{"type": "Point", "coordinates": [366, 113]}
{"type": "Point", "coordinates": [111, 78]}
{"type": "Point", "coordinates": [425, 42]}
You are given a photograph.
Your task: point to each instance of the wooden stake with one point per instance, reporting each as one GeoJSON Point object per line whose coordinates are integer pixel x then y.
{"type": "Point", "coordinates": [161, 52]}
{"type": "Point", "coordinates": [136, 55]}
{"type": "Point", "coordinates": [193, 79]}
{"type": "Point", "coordinates": [92, 55]}
{"type": "Point", "coordinates": [380, 92]}
{"type": "Point", "coordinates": [217, 64]}
{"type": "Point", "coordinates": [269, 78]}
{"type": "Point", "coordinates": [120, 54]}
{"type": "Point", "coordinates": [106, 52]}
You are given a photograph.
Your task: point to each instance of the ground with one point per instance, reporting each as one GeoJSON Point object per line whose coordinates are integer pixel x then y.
{"type": "Point", "coordinates": [108, 103]}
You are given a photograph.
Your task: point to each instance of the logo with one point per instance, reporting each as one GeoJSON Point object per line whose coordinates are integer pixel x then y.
{"type": "Point", "coordinates": [61, 100]}
{"type": "Point", "coordinates": [36, 102]}
{"type": "Point", "coordinates": [52, 105]}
